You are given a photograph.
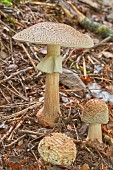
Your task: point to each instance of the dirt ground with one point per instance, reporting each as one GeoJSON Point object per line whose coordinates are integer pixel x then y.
{"type": "Point", "coordinates": [22, 85]}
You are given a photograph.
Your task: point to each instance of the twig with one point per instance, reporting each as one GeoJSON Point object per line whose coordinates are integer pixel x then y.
{"type": "Point", "coordinates": [75, 129]}
{"type": "Point", "coordinates": [100, 78]}
{"type": "Point", "coordinates": [66, 8]}
{"type": "Point", "coordinates": [96, 149]}
{"type": "Point", "coordinates": [16, 128]}
{"type": "Point", "coordinates": [103, 42]}
{"type": "Point", "coordinates": [4, 96]}
{"type": "Point", "coordinates": [7, 134]}
{"type": "Point", "coordinates": [91, 4]}
{"type": "Point", "coordinates": [14, 74]}
{"type": "Point", "coordinates": [30, 132]}
{"type": "Point", "coordinates": [15, 93]}
{"type": "Point", "coordinates": [31, 48]}
{"type": "Point", "coordinates": [34, 155]}
{"type": "Point", "coordinates": [11, 84]}
{"type": "Point", "coordinates": [20, 112]}
{"type": "Point", "coordinates": [8, 26]}
{"type": "Point", "coordinates": [80, 16]}
{"type": "Point", "coordinates": [90, 59]}
{"type": "Point", "coordinates": [43, 3]}
{"type": "Point", "coordinates": [89, 150]}
{"type": "Point", "coordinates": [84, 67]}
{"type": "Point", "coordinates": [2, 13]}
{"type": "Point", "coordinates": [87, 144]}
{"type": "Point", "coordinates": [13, 105]}
{"type": "Point", "coordinates": [15, 141]}
{"type": "Point", "coordinates": [32, 13]}
{"type": "Point", "coordinates": [31, 60]}
{"type": "Point", "coordinates": [31, 149]}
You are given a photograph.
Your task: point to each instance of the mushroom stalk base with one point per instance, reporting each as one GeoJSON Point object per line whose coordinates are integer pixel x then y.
{"type": "Point", "coordinates": [95, 132]}
{"type": "Point", "coordinates": [48, 115]}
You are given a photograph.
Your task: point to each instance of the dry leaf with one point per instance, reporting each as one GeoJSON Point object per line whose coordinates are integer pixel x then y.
{"type": "Point", "coordinates": [85, 167]}
{"type": "Point", "coordinates": [71, 80]}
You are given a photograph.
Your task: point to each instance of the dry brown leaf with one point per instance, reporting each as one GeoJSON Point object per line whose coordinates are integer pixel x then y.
{"type": "Point", "coordinates": [85, 167]}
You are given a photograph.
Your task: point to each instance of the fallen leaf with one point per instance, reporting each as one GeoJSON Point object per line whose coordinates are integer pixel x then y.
{"type": "Point", "coordinates": [71, 80]}
{"type": "Point", "coordinates": [85, 167]}
{"type": "Point", "coordinates": [107, 54]}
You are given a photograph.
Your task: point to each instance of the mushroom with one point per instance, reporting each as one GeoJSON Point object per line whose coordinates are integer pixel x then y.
{"type": "Point", "coordinates": [54, 35]}
{"type": "Point", "coordinates": [95, 113]}
{"type": "Point", "coordinates": [57, 149]}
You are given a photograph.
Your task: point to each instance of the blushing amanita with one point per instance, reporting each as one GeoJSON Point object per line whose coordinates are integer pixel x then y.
{"type": "Point", "coordinates": [54, 35]}
{"type": "Point", "coordinates": [95, 113]}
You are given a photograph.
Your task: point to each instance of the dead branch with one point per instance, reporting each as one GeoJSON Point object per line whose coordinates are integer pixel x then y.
{"type": "Point", "coordinates": [87, 23]}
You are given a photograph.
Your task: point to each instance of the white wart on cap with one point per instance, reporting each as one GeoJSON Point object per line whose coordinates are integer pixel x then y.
{"type": "Point", "coordinates": [54, 33]}
{"type": "Point", "coordinates": [57, 149]}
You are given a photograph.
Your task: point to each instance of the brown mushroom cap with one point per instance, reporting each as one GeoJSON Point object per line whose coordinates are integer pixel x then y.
{"type": "Point", "coordinates": [57, 149]}
{"type": "Point", "coordinates": [54, 33]}
{"type": "Point", "coordinates": [95, 111]}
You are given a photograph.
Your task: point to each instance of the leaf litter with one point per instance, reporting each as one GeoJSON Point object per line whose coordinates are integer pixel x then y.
{"type": "Point", "coordinates": [88, 74]}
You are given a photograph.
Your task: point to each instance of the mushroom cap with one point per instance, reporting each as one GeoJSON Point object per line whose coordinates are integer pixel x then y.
{"type": "Point", "coordinates": [54, 33]}
{"type": "Point", "coordinates": [95, 111]}
{"type": "Point", "coordinates": [57, 149]}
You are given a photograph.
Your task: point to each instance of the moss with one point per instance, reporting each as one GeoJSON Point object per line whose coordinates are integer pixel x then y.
{"type": "Point", "coordinates": [104, 31]}
{"type": "Point", "coordinates": [96, 27]}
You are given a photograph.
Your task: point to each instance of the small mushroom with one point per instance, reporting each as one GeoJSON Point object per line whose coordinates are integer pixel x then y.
{"type": "Point", "coordinates": [54, 35]}
{"type": "Point", "coordinates": [58, 149]}
{"type": "Point", "coordinates": [95, 113]}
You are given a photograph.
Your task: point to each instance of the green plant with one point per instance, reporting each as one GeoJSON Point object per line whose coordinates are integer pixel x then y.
{"type": "Point", "coordinates": [10, 2]}
{"type": "Point", "coordinates": [7, 2]}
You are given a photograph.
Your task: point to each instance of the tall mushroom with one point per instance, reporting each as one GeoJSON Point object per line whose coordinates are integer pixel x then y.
{"type": "Point", "coordinates": [54, 35]}
{"type": "Point", "coordinates": [95, 113]}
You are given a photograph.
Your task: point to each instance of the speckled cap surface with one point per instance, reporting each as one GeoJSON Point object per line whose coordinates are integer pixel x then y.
{"type": "Point", "coordinates": [54, 33]}
{"type": "Point", "coordinates": [57, 149]}
{"type": "Point", "coordinates": [95, 111]}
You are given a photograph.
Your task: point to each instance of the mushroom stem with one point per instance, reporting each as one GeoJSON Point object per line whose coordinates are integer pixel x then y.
{"type": "Point", "coordinates": [53, 50]}
{"type": "Point", "coordinates": [95, 132]}
{"type": "Point", "coordinates": [52, 62]}
{"type": "Point", "coordinates": [49, 114]}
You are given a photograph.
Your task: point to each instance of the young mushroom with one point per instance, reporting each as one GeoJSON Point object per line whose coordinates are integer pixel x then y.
{"type": "Point", "coordinates": [58, 149]}
{"type": "Point", "coordinates": [95, 113]}
{"type": "Point", "coordinates": [54, 35]}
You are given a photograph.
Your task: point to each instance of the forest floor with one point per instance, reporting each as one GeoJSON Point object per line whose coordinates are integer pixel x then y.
{"type": "Point", "coordinates": [22, 86]}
